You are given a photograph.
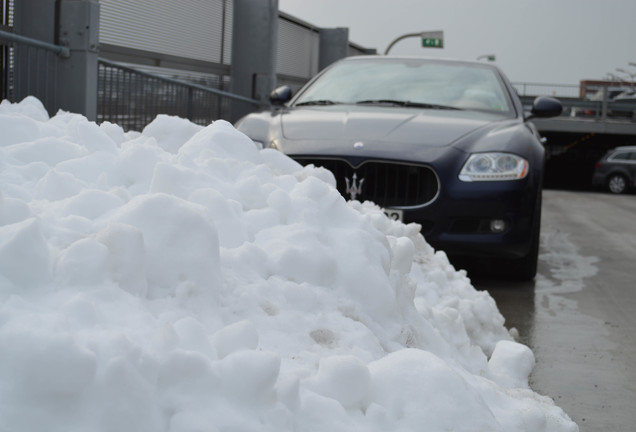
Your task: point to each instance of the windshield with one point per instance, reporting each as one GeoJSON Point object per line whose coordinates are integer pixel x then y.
{"type": "Point", "coordinates": [409, 82]}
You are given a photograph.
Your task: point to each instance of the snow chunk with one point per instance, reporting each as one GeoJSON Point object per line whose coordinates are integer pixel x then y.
{"type": "Point", "coordinates": [25, 260]}
{"type": "Point", "coordinates": [235, 337]}
{"type": "Point", "coordinates": [344, 378]}
{"type": "Point", "coordinates": [181, 244]}
{"type": "Point", "coordinates": [511, 364]}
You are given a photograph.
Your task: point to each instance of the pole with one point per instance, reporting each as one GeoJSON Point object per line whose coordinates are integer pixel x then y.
{"type": "Point", "coordinates": [408, 35]}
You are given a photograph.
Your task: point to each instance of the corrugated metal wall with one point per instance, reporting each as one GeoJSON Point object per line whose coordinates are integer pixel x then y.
{"type": "Point", "coordinates": [195, 29]}
{"type": "Point", "coordinates": [298, 47]}
{"type": "Point", "coordinates": [202, 30]}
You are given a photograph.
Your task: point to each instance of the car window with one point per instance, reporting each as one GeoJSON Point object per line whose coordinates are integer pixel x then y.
{"type": "Point", "coordinates": [455, 85]}
{"type": "Point", "coordinates": [621, 156]}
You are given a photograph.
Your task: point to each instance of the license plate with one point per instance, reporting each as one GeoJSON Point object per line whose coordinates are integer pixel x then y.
{"type": "Point", "coordinates": [395, 214]}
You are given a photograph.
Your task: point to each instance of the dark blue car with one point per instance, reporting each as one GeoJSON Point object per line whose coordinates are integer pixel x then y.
{"type": "Point", "coordinates": [445, 144]}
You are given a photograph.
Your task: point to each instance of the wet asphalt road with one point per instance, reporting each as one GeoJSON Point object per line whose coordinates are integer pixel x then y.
{"type": "Point", "coordinates": [579, 314]}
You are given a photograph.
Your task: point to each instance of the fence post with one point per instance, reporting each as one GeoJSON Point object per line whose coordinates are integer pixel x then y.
{"type": "Point", "coordinates": [334, 45]}
{"type": "Point", "coordinates": [254, 44]}
{"type": "Point", "coordinates": [77, 75]}
{"type": "Point", "coordinates": [604, 103]}
{"type": "Point", "coordinates": [190, 107]}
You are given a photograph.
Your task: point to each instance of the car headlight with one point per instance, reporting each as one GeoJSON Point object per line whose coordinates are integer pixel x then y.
{"type": "Point", "coordinates": [494, 167]}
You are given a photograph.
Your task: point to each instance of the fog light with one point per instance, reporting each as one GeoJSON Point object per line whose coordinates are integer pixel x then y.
{"type": "Point", "coordinates": [497, 225]}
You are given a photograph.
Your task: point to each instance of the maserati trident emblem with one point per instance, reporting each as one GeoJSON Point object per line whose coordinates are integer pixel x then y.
{"type": "Point", "coordinates": [354, 188]}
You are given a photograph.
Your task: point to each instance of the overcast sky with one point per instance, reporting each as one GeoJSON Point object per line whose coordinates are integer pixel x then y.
{"type": "Point", "coordinates": [538, 41]}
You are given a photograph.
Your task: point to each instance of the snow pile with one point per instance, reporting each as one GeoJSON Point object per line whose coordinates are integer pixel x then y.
{"type": "Point", "coordinates": [179, 279]}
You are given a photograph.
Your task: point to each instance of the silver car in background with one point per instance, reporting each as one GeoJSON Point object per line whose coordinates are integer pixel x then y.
{"type": "Point", "coordinates": [616, 171]}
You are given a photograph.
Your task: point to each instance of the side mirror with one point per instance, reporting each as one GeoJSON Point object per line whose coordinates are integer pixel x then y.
{"type": "Point", "coordinates": [280, 96]}
{"type": "Point", "coordinates": [544, 107]}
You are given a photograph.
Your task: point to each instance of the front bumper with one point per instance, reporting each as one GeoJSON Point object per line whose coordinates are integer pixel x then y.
{"type": "Point", "coordinates": [459, 221]}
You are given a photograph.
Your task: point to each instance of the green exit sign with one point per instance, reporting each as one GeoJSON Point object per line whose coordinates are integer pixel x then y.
{"type": "Point", "coordinates": [433, 39]}
{"type": "Point", "coordinates": [432, 43]}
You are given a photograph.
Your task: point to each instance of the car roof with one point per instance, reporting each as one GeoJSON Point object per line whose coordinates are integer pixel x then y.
{"type": "Point", "coordinates": [624, 148]}
{"type": "Point", "coordinates": [380, 57]}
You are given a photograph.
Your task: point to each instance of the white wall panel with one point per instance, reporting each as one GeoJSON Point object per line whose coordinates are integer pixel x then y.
{"type": "Point", "coordinates": [297, 53]}
{"type": "Point", "coordinates": [201, 30]}
{"type": "Point", "coordinates": [185, 28]}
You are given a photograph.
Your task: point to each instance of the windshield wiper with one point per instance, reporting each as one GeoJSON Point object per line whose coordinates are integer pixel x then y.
{"type": "Point", "coordinates": [407, 104]}
{"type": "Point", "coordinates": [318, 102]}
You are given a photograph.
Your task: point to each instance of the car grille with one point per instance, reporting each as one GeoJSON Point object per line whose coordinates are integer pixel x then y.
{"type": "Point", "coordinates": [388, 184]}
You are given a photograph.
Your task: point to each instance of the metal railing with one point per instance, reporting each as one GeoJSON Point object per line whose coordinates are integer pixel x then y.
{"type": "Point", "coordinates": [30, 68]}
{"type": "Point", "coordinates": [57, 49]}
{"type": "Point", "coordinates": [133, 98]}
{"type": "Point", "coordinates": [556, 90]}
{"type": "Point", "coordinates": [591, 102]}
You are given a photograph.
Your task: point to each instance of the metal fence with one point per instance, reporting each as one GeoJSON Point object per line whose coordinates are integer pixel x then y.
{"type": "Point", "coordinates": [37, 65]}
{"type": "Point", "coordinates": [556, 90]}
{"type": "Point", "coordinates": [6, 52]}
{"type": "Point", "coordinates": [197, 41]}
{"type": "Point", "coordinates": [132, 98]}
{"type": "Point", "coordinates": [149, 68]}
{"type": "Point", "coordinates": [6, 77]}
{"type": "Point", "coordinates": [602, 103]}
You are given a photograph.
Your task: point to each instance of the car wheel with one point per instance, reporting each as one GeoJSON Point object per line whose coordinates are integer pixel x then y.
{"type": "Point", "coordinates": [617, 183]}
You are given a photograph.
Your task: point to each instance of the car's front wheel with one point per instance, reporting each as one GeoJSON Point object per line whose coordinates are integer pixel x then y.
{"type": "Point", "coordinates": [617, 183]}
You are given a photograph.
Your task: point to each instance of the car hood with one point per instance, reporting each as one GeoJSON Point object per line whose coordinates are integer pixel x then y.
{"type": "Point", "coordinates": [377, 126]}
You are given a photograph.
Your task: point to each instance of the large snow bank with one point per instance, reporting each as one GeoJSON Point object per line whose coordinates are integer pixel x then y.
{"type": "Point", "coordinates": [179, 279]}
